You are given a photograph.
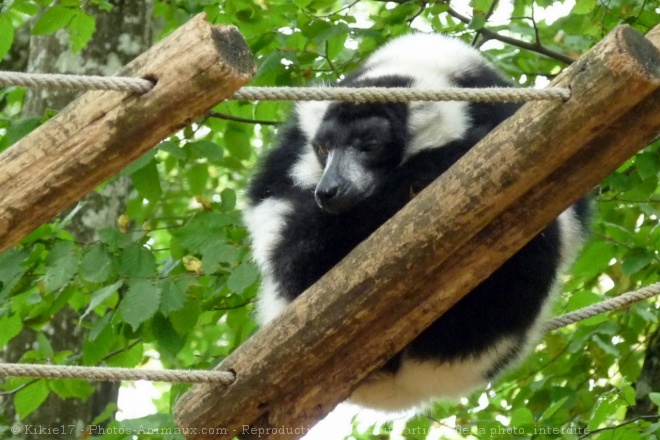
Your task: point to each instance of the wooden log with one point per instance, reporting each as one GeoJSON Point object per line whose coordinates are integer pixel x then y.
{"type": "Point", "coordinates": [385, 293]}
{"type": "Point", "coordinates": [101, 132]}
{"type": "Point", "coordinates": [654, 36]}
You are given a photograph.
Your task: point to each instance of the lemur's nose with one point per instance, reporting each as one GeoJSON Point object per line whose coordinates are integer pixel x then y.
{"type": "Point", "coordinates": [326, 193]}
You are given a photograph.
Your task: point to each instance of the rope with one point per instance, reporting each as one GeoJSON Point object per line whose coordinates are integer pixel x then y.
{"type": "Point", "coordinates": [401, 94]}
{"type": "Point", "coordinates": [227, 378]}
{"type": "Point", "coordinates": [617, 303]}
{"type": "Point", "coordinates": [75, 82]}
{"type": "Point", "coordinates": [116, 374]}
{"type": "Point", "coordinates": [346, 94]}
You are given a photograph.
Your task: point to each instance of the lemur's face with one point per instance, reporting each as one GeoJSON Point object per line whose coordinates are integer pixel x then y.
{"type": "Point", "coordinates": [357, 148]}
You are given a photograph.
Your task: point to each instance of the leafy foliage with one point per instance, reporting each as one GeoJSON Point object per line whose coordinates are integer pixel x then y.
{"type": "Point", "coordinates": [173, 281]}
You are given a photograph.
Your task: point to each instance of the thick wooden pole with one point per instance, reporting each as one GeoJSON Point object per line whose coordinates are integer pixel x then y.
{"type": "Point", "coordinates": [435, 250]}
{"type": "Point", "coordinates": [100, 133]}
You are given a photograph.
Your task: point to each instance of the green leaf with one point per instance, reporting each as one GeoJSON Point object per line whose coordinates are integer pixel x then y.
{"type": "Point", "coordinates": [548, 413]}
{"type": "Point", "coordinates": [114, 239]}
{"type": "Point", "coordinates": [618, 182]}
{"type": "Point", "coordinates": [101, 341]}
{"type": "Point", "coordinates": [20, 128]}
{"type": "Point", "coordinates": [173, 294]}
{"type": "Point", "coordinates": [582, 299]}
{"type": "Point", "coordinates": [629, 394]}
{"type": "Point", "coordinates": [60, 250]}
{"type": "Point", "coordinates": [140, 303]}
{"type": "Point", "coordinates": [416, 428]}
{"type": "Point", "coordinates": [215, 253]}
{"type": "Point", "coordinates": [147, 181]}
{"type": "Point", "coordinates": [144, 160]}
{"type": "Point", "coordinates": [604, 410]}
{"type": "Point", "coordinates": [238, 142]}
{"type": "Point", "coordinates": [583, 7]}
{"type": "Point", "coordinates": [521, 416]}
{"type": "Point", "coordinates": [193, 238]}
{"type": "Point", "coordinates": [655, 398]}
{"type": "Point", "coordinates": [104, 5]}
{"type": "Point", "coordinates": [68, 388]}
{"type": "Point", "coordinates": [636, 260]}
{"type": "Point", "coordinates": [595, 259]}
{"type": "Point", "coordinates": [11, 326]}
{"type": "Point", "coordinates": [166, 336]}
{"type": "Point", "coordinates": [606, 346]}
{"type": "Point", "coordinates": [480, 5]}
{"type": "Point", "coordinates": [53, 19]}
{"type": "Point", "coordinates": [648, 164]}
{"type": "Point", "coordinates": [11, 269]}
{"type": "Point", "coordinates": [101, 295]}
{"type": "Point", "coordinates": [30, 398]}
{"type": "Point", "coordinates": [6, 35]}
{"type": "Point", "coordinates": [129, 357]}
{"type": "Point", "coordinates": [99, 326]}
{"type": "Point", "coordinates": [335, 45]}
{"type": "Point", "coordinates": [197, 176]}
{"type": "Point", "coordinates": [107, 414]}
{"type": "Point", "coordinates": [477, 22]}
{"type": "Point", "coordinates": [207, 149]}
{"type": "Point", "coordinates": [62, 265]}
{"type": "Point", "coordinates": [228, 198]}
{"type": "Point", "coordinates": [618, 232]}
{"type": "Point", "coordinates": [184, 320]}
{"type": "Point", "coordinates": [81, 29]}
{"type": "Point", "coordinates": [654, 427]}
{"type": "Point", "coordinates": [242, 277]}
{"type": "Point", "coordinates": [644, 190]}
{"type": "Point", "coordinates": [26, 7]}
{"type": "Point", "coordinates": [268, 63]}
{"type": "Point", "coordinates": [173, 149]}
{"type": "Point", "coordinates": [44, 347]}
{"type": "Point", "coordinates": [136, 261]}
{"type": "Point", "coordinates": [97, 265]}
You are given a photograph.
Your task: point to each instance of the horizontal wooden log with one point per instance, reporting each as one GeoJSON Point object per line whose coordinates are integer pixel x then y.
{"type": "Point", "coordinates": [452, 235]}
{"type": "Point", "coordinates": [101, 132]}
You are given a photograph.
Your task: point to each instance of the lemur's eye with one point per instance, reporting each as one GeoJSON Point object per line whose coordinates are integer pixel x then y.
{"type": "Point", "coordinates": [369, 146]}
{"type": "Point", "coordinates": [323, 150]}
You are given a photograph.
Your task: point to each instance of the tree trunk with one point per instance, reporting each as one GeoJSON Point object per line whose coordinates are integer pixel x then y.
{"type": "Point", "coordinates": [120, 35]}
{"type": "Point", "coordinates": [648, 381]}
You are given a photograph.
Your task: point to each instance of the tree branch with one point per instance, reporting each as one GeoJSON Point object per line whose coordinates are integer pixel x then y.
{"type": "Point", "coordinates": [611, 428]}
{"type": "Point", "coordinates": [492, 35]}
{"type": "Point", "coordinates": [239, 119]}
{"type": "Point", "coordinates": [534, 47]}
{"type": "Point", "coordinates": [490, 11]}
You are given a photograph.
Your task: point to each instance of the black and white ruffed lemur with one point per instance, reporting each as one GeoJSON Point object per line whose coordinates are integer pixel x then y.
{"type": "Point", "coordinates": [340, 170]}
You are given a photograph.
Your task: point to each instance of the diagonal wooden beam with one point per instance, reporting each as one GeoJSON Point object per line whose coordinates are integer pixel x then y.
{"type": "Point", "coordinates": [446, 241]}
{"type": "Point", "coordinates": [101, 132]}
